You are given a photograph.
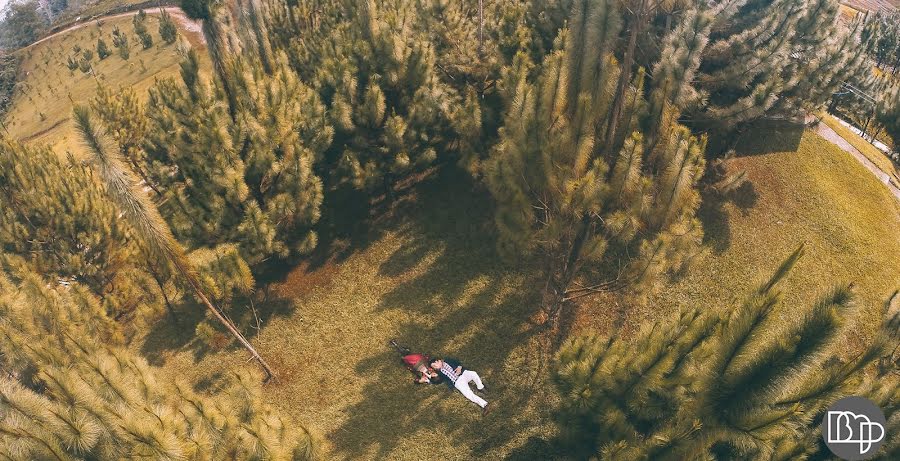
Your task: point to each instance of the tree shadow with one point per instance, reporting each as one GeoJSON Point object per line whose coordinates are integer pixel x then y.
{"type": "Point", "coordinates": [464, 303]}
{"type": "Point", "coordinates": [717, 220]}
{"type": "Point", "coordinates": [768, 136]}
{"type": "Point", "coordinates": [539, 448]}
{"type": "Point", "coordinates": [351, 221]}
{"type": "Point", "coordinates": [166, 336]}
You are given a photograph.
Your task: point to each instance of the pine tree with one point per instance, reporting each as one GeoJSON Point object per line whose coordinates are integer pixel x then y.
{"type": "Point", "coordinates": [772, 58]}
{"type": "Point", "coordinates": [473, 43]}
{"type": "Point", "coordinates": [715, 384]}
{"type": "Point", "coordinates": [126, 120]}
{"type": "Point", "coordinates": [561, 195]}
{"type": "Point", "coordinates": [251, 181]}
{"type": "Point", "coordinates": [887, 113]}
{"type": "Point", "coordinates": [168, 32]}
{"type": "Point", "coordinates": [218, 34]}
{"type": "Point", "coordinates": [56, 216]}
{"type": "Point", "coordinates": [192, 160]}
{"type": "Point", "coordinates": [146, 221]}
{"type": "Point", "coordinates": [376, 72]}
{"type": "Point", "coordinates": [828, 57]}
{"type": "Point", "coordinates": [140, 29]}
{"type": "Point", "coordinates": [102, 49]}
{"type": "Point", "coordinates": [881, 34]}
{"type": "Point", "coordinates": [284, 132]}
{"type": "Point", "coordinates": [9, 74]}
{"type": "Point", "coordinates": [120, 41]}
{"type": "Point", "coordinates": [69, 394]}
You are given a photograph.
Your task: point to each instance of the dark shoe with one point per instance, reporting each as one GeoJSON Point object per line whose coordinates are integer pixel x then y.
{"type": "Point", "coordinates": [487, 409]}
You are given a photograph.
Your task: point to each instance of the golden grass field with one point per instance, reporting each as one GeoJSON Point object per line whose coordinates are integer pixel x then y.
{"type": "Point", "coordinates": [42, 107]}
{"type": "Point", "coordinates": [865, 147]}
{"type": "Point", "coordinates": [817, 194]}
{"type": "Point", "coordinates": [428, 275]}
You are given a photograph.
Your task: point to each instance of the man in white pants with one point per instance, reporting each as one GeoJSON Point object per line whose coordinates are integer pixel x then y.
{"type": "Point", "coordinates": [458, 377]}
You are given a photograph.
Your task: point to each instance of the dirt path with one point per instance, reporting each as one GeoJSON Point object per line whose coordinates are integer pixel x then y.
{"type": "Point", "coordinates": [831, 136]}
{"type": "Point", "coordinates": [185, 23]}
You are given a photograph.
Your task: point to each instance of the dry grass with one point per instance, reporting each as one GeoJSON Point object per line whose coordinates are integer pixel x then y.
{"type": "Point", "coordinates": [817, 194]}
{"type": "Point", "coordinates": [871, 5]}
{"type": "Point", "coordinates": [42, 108]}
{"type": "Point", "coordinates": [847, 14]}
{"type": "Point", "coordinates": [430, 277]}
{"type": "Point", "coordinates": [865, 147]}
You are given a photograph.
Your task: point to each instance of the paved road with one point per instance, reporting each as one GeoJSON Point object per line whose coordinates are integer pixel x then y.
{"type": "Point", "coordinates": [830, 135]}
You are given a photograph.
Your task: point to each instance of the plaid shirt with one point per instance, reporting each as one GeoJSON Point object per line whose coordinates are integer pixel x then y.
{"type": "Point", "coordinates": [447, 371]}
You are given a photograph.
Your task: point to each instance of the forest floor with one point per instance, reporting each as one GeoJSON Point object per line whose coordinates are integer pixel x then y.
{"type": "Point", "coordinates": [41, 110]}
{"type": "Point", "coordinates": [427, 273]}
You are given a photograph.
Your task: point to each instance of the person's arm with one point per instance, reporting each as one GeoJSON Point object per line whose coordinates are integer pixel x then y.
{"type": "Point", "coordinates": [457, 367]}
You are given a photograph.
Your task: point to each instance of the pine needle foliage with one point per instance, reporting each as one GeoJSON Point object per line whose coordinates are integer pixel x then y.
{"type": "Point", "coordinates": [145, 219]}
{"type": "Point", "coordinates": [714, 384]}
{"type": "Point", "coordinates": [249, 180]}
{"type": "Point", "coordinates": [599, 218]}
{"type": "Point", "coordinates": [773, 59]}
{"type": "Point", "coordinates": [70, 396]}
{"type": "Point", "coordinates": [376, 71]}
{"type": "Point", "coordinates": [168, 32]}
{"type": "Point", "coordinates": [55, 216]}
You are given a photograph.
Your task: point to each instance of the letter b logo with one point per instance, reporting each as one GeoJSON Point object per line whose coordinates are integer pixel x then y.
{"type": "Point", "coordinates": [854, 428]}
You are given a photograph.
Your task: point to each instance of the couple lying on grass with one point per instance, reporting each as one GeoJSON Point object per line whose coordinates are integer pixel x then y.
{"type": "Point", "coordinates": [448, 371]}
{"type": "Point", "coordinates": [452, 373]}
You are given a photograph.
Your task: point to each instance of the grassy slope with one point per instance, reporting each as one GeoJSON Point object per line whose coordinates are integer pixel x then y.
{"type": "Point", "coordinates": [865, 147]}
{"type": "Point", "coordinates": [430, 277]}
{"type": "Point", "coordinates": [48, 84]}
{"type": "Point", "coordinates": [818, 195]}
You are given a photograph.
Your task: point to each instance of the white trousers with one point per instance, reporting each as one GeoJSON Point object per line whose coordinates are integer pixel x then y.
{"type": "Point", "coordinates": [462, 385]}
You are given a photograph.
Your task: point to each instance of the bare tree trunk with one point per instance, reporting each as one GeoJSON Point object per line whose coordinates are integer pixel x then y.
{"type": "Point", "coordinates": [232, 329]}
{"type": "Point", "coordinates": [560, 287]}
{"type": "Point", "coordinates": [624, 80]}
{"type": "Point", "coordinates": [162, 289]}
{"type": "Point", "coordinates": [480, 28]}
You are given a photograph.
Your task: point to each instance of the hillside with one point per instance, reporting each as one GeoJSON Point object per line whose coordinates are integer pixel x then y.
{"type": "Point", "coordinates": [47, 89]}
{"type": "Point", "coordinates": [816, 194]}
{"type": "Point", "coordinates": [428, 275]}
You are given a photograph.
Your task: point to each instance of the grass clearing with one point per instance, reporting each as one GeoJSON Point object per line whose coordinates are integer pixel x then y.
{"type": "Point", "coordinates": [865, 147]}
{"type": "Point", "coordinates": [428, 275]}
{"type": "Point", "coordinates": [435, 283]}
{"type": "Point", "coordinates": [817, 194]}
{"type": "Point", "coordinates": [42, 107]}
